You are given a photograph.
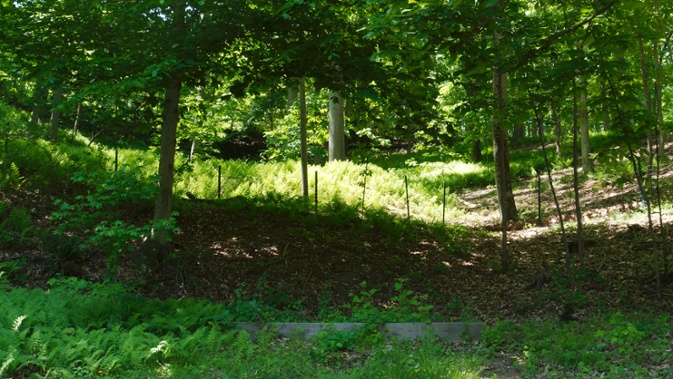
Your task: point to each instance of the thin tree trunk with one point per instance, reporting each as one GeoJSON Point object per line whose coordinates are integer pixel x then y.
{"type": "Point", "coordinates": [163, 208]}
{"type": "Point", "coordinates": [547, 166]}
{"type": "Point", "coordinates": [650, 225]}
{"type": "Point", "coordinates": [661, 148]}
{"type": "Point", "coordinates": [557, 129]}
{"type": "Point", "coordinates": [503, 178]}
{"type": "Point", "coordinates": [476, 150]}
{"type": "Point", "coordinates": [519, 131]}
{"type": "Point", "coordinates": [658, 103]}
{"type": "Point", "coordinates": [578, 210]}
{"type": "Point", "coordinates": [293, 90]}
{"type": "Point", "coordinates": [57, 99]}
{"type": "Point", "coordinates": [648, 107]}
{"type": "Point", "coordinates": [337, 140]}
{"type": "Point", "coordinates": [643, 193]}
{"type": "Point", "coordinates": [304, 149]}
{"type": "Point", "coordinates": [38, 96]}
{"type": "Point", "coordinates": [192, 148]}
{"type": "Point", "coordinates": [605, 108]}
{"type": "Point", "coordinates": [583, 121]}
{"type": "Point", "coordinates": [74, 125]}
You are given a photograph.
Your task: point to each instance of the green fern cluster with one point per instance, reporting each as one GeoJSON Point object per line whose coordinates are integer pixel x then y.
{"type": "Point", "coordinates": [10, 178]}
{"type": "Point", "coordinates": [73, 331]}
{"type": "Point", "coordinates": [16, 225]}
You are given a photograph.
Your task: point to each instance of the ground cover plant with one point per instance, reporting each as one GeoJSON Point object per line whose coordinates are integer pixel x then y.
{"type": "Point", "coordinates": [79, 329]}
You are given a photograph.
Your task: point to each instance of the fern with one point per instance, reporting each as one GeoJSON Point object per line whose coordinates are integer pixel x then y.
{"type": "Point", "coordinates": [17, 323]}
{"type": "Point", "coordinates": [10, 179]}
{"type": "Point", "coordinates": [6, 363]}
{"type": "Point", "coordinates": [4, 207]}
{"type": "Point", "coordinates": [15, 227]}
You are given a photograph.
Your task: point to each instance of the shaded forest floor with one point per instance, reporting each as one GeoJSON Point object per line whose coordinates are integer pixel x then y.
{"type": "Point", "coordinates": [312, 263]}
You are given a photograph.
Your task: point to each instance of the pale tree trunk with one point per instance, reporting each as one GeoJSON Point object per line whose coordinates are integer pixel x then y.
{"type": "Point", "coordinates": [337, 139]}
{"type": "Point", "coordinates": [200, 121]}
{"type": "Point", "coordinates": [57, 99]}
{"type": "Point", "coordinates": [648, 107]}
{"type": "Point", "coordinates": [583, 122]}
{"type": "Point", "coordinates": [74, 125]}
{"type": "Point", "coordinates": [293, 90]}
{"type": "Point", "coordinates": [658, 95]}
{"type": "Point", "coordinates": [192, 148]}
{"type": "Point", "coordinates": [605, 108]}
{"type": "Point", "coordinates": [503, 178]}
{"type": "Point", "coordinates": [579, 237]}
{"type": "Point", "coordinates": [662, 132]}
{"type": "Point", "coordinates": [303, 122]}
{"type": "Point", "coordinates": [557, 129]}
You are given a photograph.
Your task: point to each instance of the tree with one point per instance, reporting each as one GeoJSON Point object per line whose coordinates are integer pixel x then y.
{"type": "Point", "coordinates": [337, 142]}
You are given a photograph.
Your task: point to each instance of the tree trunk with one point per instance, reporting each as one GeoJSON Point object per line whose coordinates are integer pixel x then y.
{"type": "Point", "coordinates": [557, 129]}
{"type": "Point", "coordinates": [304, 148]}
{"type": "Point", "coordinates": [519, 131]}
{"type": "Point", "coordinates": [503, 178]}
{"type": "Point", "coordinates": [57, 99]}
{"type": "Point", "coordinates": [605, 108]}
{"type": "Point", "coordinates": [163, 208]}
{"type": "Point", "coordinates": [337, 139]}
{"type": "Point", "coordinates": [37, 100]}
{"type": "Point", "coordinates": [293, 90]}
{"type": "Point", "coordinates": [579, 238]}
{"type": "Point", "coordinates": [547, 166]}
{"type": "Point", "coordinates": [74, 125]}
{"type": "Point", "coordinates": [476, 151]}
{"type": "Point", "coordinates": [192, 148]}
{"type": "Point", "coordinates": [648, 108]}
{"type": "Point", "coordinates": [583, 121]}
{"type": "Point", "coordinates": [658, 100]}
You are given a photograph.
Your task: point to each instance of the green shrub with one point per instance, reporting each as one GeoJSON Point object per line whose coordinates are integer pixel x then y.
{"type": "Point", "coordinates": [105, 216]}
{"type": "Point", "coordinates": [406, 306]}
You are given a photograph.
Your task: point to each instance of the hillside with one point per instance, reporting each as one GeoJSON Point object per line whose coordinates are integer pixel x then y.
{"type": "Point", "coordinates": [232, 250]}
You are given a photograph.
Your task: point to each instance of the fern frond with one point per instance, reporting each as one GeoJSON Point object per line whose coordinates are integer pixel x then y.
{"type": "Point", "coordinates": [17, 322]}
{"type": "Point", "coordinates": [6, 363]}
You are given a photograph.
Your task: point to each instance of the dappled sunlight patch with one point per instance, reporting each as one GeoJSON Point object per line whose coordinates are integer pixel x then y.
{"type": "Point", "coordinates": [226, 252]}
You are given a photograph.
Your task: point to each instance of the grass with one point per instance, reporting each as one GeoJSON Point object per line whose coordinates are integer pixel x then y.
{"type": "Point", "coordinates": [612, 345]}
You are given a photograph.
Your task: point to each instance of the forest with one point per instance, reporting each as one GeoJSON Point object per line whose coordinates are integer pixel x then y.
{"type": "Point", "coordinates": [171, 168]}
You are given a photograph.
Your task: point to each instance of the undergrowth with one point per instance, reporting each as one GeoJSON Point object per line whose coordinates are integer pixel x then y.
{"type": "Point", "coordinates": [615, 345]}
{"type": "Point", "coordinates": [80, 330]}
